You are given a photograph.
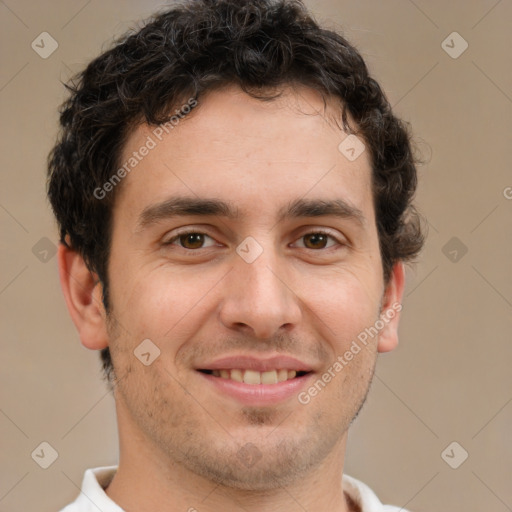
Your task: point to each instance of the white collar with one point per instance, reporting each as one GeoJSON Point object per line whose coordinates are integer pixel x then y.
{"type": "Point", "coordinates": [93, 497]}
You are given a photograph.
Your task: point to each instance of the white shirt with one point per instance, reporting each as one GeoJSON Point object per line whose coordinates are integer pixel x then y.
{"type": "Point", "coordinates": [93, 497]}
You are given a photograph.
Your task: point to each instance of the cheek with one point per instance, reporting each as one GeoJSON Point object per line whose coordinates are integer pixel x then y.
{"type": "Point", "coordinates": [345, 303]}
{"type": "Point", "coordinates": [163, 301]}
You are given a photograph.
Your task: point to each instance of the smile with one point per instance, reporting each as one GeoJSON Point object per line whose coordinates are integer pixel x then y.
{"type": "Point", "coordinates": [253, 377]}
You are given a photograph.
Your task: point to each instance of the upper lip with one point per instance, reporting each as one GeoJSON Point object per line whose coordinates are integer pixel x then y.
{"type": "Point", "coordinates": [257, 364]}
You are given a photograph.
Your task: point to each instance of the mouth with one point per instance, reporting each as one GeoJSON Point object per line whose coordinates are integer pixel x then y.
{"type": "Point", "coordinates": [254, 381]}
{"type": "Point", "coordinates": [254, 377]}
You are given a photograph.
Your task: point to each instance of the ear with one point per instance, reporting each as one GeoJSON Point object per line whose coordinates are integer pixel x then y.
{"type": "Point", "coordinates": [391, 307]}
{"type": "Point", "coordinates": [83, 293]}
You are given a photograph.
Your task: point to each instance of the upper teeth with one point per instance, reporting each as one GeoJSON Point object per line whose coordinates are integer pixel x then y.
{"type": "Point", "coordinates": [254, 377]}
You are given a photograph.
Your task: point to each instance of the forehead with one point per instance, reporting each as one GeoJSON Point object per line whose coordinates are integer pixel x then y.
{"type": "Point", "coordinates": [254, 153]}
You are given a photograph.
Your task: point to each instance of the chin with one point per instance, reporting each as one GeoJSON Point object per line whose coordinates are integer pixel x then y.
{"type": "Point", "coordinates": [258, 467]}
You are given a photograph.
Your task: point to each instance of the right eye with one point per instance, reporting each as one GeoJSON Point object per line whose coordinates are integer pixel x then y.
{"type": "Point", "coordinates": [190, 240]}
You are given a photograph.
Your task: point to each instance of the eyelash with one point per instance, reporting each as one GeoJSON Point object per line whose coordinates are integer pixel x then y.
{"type": "Point", "coordinates": [315, 232]}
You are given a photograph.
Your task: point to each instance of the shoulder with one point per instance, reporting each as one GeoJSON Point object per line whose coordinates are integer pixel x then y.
{"type": "Point", "coordinates": [92, 495]}
{"type": "Point", "coordinates": [365, 498]}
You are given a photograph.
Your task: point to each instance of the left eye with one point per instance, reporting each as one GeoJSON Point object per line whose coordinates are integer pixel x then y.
{"type": "Point", "coordinates": [318, 240]}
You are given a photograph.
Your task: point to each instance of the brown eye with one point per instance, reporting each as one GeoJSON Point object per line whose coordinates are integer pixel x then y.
{"type": "Point", "coordinates": [319, 240]}
{"type": "Point", "coordinates": [316, 240]}
{"type": "Point", "coordinates": [191, 240]}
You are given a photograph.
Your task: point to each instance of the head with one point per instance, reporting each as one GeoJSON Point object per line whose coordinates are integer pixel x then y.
{"type": "Point", "coordinates": [216, 130]}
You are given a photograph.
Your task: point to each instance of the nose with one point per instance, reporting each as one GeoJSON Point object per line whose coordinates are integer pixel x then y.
{"type": "Point", "coordinates": [258, 298]}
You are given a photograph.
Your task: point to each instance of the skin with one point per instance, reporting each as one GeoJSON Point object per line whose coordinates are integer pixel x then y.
{"type": "Point", "coordinates": [180, 438]}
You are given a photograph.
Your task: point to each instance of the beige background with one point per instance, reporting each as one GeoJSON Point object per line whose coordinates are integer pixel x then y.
{"type": "Point", "coordinates": [450, 379]}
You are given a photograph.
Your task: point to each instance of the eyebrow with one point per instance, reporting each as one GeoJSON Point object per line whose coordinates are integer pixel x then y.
{"type": "Point", "coordinates": [320, 208]}
{"type": "Point", "coordinates": [193, 206]}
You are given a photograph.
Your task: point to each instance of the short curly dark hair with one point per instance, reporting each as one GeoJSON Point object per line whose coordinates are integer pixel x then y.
{"type": "Point", "coordinates": [188, 50]}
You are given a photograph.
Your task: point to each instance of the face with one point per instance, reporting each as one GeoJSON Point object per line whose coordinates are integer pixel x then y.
{"type": "Point", "coordinates": [245, 249]}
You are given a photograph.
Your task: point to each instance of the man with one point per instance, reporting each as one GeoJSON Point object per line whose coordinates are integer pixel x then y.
{"type": "Point", "coordinates": [233, 195]}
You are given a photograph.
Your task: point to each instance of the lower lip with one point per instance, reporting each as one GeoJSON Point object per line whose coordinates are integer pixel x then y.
{"type": "Point", "coordinates": [259, 394]}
